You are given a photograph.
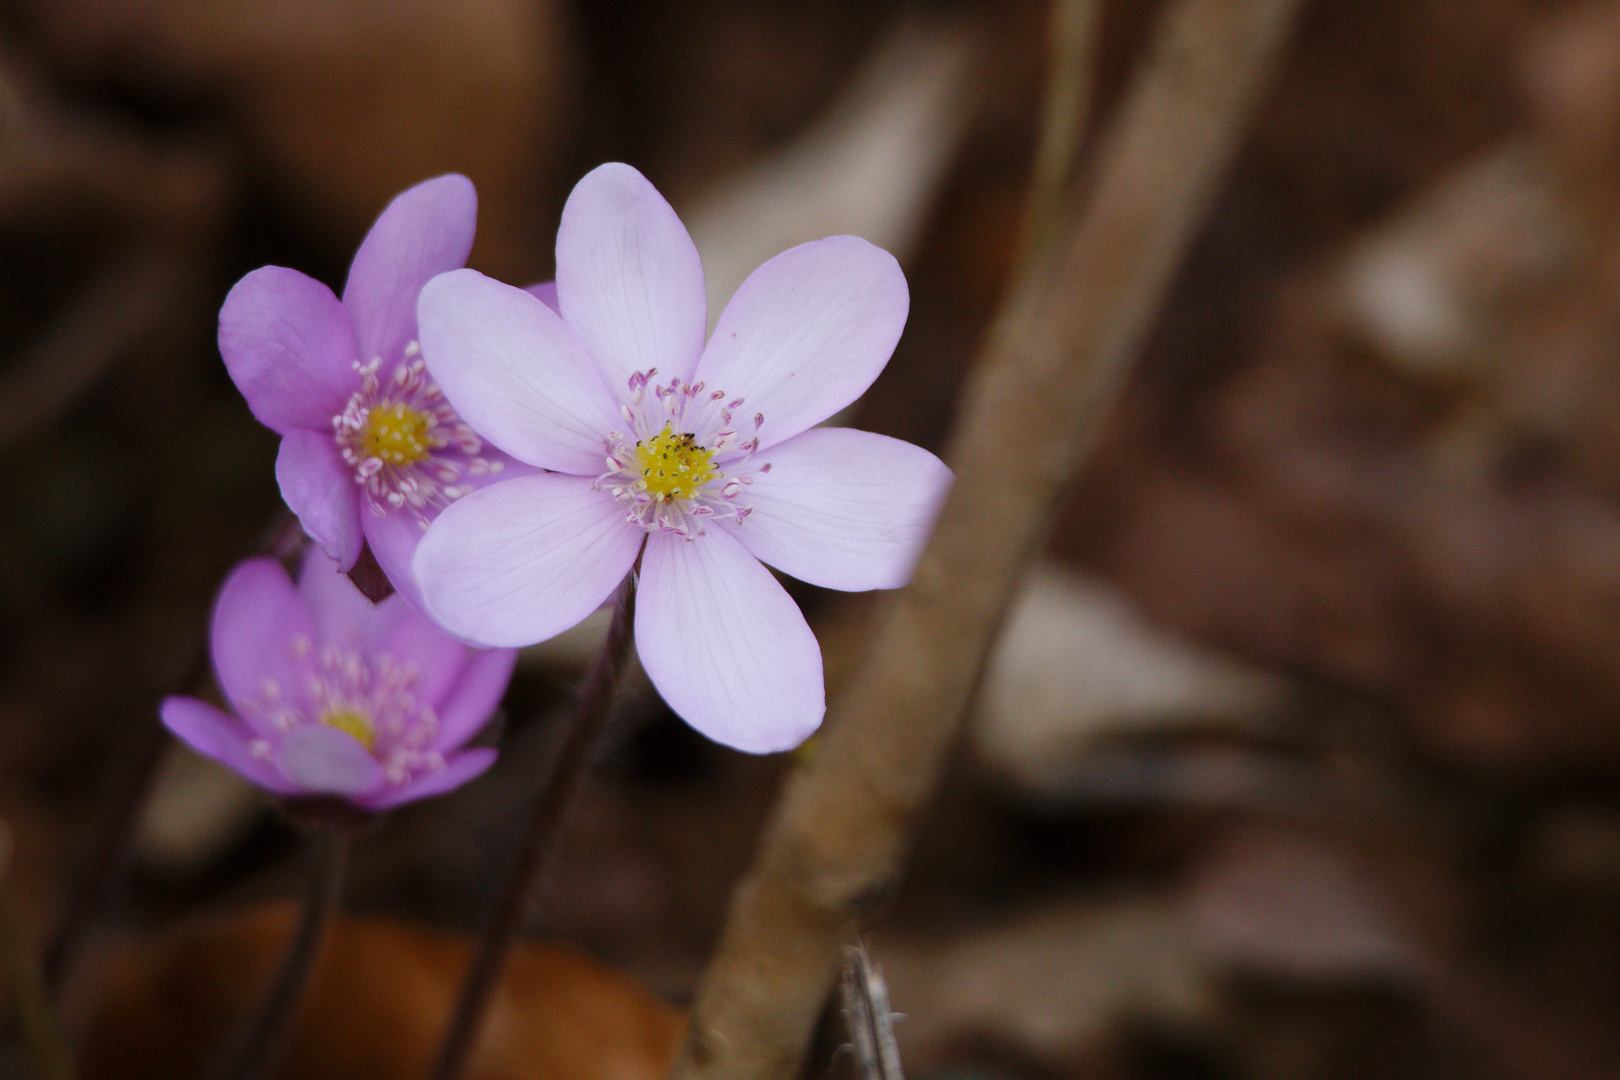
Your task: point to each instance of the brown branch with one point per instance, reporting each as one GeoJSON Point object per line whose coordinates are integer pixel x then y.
{"type": "Point", "coordinates": [1054, 365]}
{"type": "Point", "coordinates": [1067, 105]}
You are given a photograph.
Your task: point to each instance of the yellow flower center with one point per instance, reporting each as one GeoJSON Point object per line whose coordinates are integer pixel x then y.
{"type": "Point", "coordinates": [356, 723]}
{"type": "Point", "coordinates": [397, 434]}
{"type": "Point", "coordinates": [673, 466]}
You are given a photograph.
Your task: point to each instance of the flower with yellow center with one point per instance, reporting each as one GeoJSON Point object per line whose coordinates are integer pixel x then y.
{"type": "Point", "coordinates": [697, 478]}
{"type": "Point", "coordinates": [332, 695]}
{"type": "Point", "coordinates": [370, 450]}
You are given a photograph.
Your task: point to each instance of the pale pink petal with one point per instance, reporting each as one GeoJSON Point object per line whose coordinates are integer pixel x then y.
{"type": "Point", "coordinates": [259, 622]}
{"type": "Point", "coordinates": [474, 698]}
{"type": "Point", "coordinates": [807, 333]}
{"type": "Point", "coordinates": [425, 231]}
{"type": "Point", "coordinates": [524, 560]}
{"type": "Point", "coordinates": [457, 771]}
{"type": "Point", "coordinates": [516, 373]}
{"type": "Point", "coordinates": [546, 293]}
{"type": "Point", "coordinates": [725, 645]}
{"type": "Point", "coordinates": [321, 760]}
{"type": "Point", "coordinates": [344, 618]}
{"type": "Point", "coordinates": [843, 509]}
{"type": "Point", "coordinates": [394, 534]}
{"type": "Point", "coordinates": [629, 280]}
{"type": "Point", "coordinates": [288, 346]}
{"type": "Point", "coordinates": [218, 735]}
{"type": "Point", "coordinates": [319, 487]}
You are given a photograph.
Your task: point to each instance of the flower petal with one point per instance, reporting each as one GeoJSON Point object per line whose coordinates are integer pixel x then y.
{"type": "Point", "coordinates": [629, 280]}
{"type": "Point", "coordinates": [516, 373]}
{"type": "Point", "coordinates": [424, 232]}
{"type": "Point", "coordinates": [725, 645]}
{"type": "Point", "coordinates": [289, 348]}
{"type": "Point", "coordinates": [546, 293]}
{"type": "Point", "coordinates": [256, 619]}
{"type": "Point", "coordinates": [406, 636]}
{"type": "Point", "coordinates": [474, 698]}
{"type": "Point", "coordinates": [221, 736]}
{"type": "Point", "coordinates": [807, 333]}
{"type": "Point", "coordinates": [524, 560]}
{"type": "Point", "coordinates": [843, 509]}
{"type": "Point", "coordinates": [394, 534]}
{"type": "Point", "coordinates": [318, 486]}
{"type": "Point", "coordinates": [346, 619]}
{"type": "Point", "coordinates": [457, 771]}
{"type": "Point", "coordinates": [321, 760]}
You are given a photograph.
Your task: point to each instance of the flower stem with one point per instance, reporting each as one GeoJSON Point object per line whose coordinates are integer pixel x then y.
{"type": "Point", "coordinates": [134, 788]}
{"type": "Point", "coordinates": [48, 1053]}
{"type": "Point", "coordinates": [90, 883]}
{"type": "Point", "coordinates": [538, 848]}
{"type": "Point", "coordinates": [259, 1047]}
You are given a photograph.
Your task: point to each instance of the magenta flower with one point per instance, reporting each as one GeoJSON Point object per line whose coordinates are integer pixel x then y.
{"type": "Point", "coordinates": [700, 459]}
{"type": "Point", "coordinates": [370, 450]}
{"type": "Point", "coordinates": [335, 695]}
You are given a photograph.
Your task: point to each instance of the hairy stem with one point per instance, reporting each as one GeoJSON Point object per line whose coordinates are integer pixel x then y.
{"type": "Point", "coordinates": [90, 884]}
{"type": "Point", "coordinates": [48, 1053]}
{"type": "Point", "coordinates": [1054, 365]}
{"type": "Point", "coordinates": [262, 1043]}
{"type": "Point", "coordinates": [134, 787]}
{"type": "Point", "coordinates": [538, 848]}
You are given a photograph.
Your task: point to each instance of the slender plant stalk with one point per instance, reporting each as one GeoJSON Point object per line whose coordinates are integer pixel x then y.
{"type": "Point", "coordinates": [89, 885]}
{"type": "Point", "coordinates": [262, 1042]}
{"type": "Point", "coordinates": [538, 849]}
{"type": "Point", "coordinates": [1054, 364]}
{"type": "Point", "coordinates": [48, 1053]}
{"type": "Point", "coordinates": [1072, 45]}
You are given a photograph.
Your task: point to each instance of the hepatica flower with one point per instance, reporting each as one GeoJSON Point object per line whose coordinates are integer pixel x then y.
{"type": "Point", "coordinates": [334, 695]}
{"type": "Point", "coordinates": [702, 459]}
{"type": "Point", "coordinates": [370, 449]}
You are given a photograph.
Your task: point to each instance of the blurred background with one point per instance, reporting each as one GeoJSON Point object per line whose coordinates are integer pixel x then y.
{"type": "Point", "coordinates": [1298, 757]}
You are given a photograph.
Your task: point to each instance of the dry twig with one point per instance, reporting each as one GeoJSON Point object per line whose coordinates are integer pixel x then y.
{"type": "Point", "coordinates": [1053, 367]}
{"type": "Point", "coordinates": [868, 1019]}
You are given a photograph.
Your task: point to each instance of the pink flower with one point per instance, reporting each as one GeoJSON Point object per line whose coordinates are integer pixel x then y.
{"type": "Point", "coordinates": [700, 459]}
{"type": "Point", "coordinates": [370, 450]}
{"type": "Point", "coordinates": [334, 695]}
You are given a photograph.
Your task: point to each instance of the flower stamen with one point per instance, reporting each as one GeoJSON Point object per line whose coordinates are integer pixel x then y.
{"type": "Point", "coordinates": [686, 462]}
{"type": "Point", "coordinates": [407, 446]}
{"type": "Point", "coordinates": [354, 722]}
{"type": "Point", "coordinates": [373, 699]}
{"type": "Point", "coordinates": [674, 466]}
